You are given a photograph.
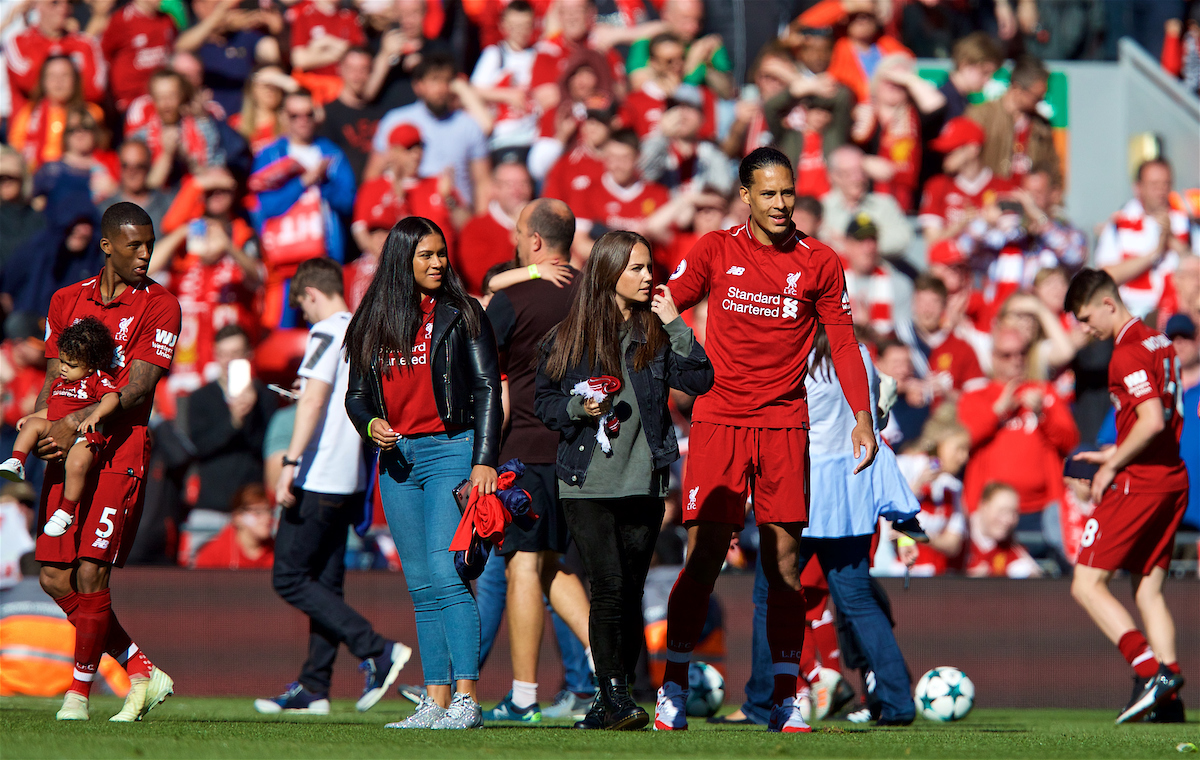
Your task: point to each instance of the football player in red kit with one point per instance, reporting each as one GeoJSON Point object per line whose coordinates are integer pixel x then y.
{"type": "Point", "coordinates": [1140, 490]}
{"type": "Point", "coordinates": [144, 321]}
{"type": "Point", "coordinates": [768, 285]}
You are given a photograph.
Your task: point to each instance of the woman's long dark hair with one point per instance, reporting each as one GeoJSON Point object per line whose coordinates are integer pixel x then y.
{"type": "Point", "coordinates": [389, 316]}
{"type": "Point", "coordinates": [821, 358]}
{"type": "Point", "coordinates": [592, 329]}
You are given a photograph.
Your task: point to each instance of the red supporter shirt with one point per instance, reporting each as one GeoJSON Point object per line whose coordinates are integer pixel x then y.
{"type": "Point", "coordinates": [486, 241]}
{"type": "Point", "coordinates": [620, 208]}
{"type": "Point", "coordinates": [144, 321]}
{"type": "Point", "coordinates": [572, 175]}
{"type": "Point", "coordinates": [136, 44]}
{"type": "Point", "coordinates": [223, 552]}
{"type": "Point", "coordinates": [417, 197]}
{"type": "Point", "coordinates": [25, 54]}
{"type": "Point", "coordinates": [554, 54]}
{"type": "Point", "coordinates": [643, 110]}
{"type": "Point", "coordinates": [954, 362]}
{"type": "Point", "coordinates": [408, 387]}
{"type": "Point", "coordinates": [68, 398]}
{"type": "Point", "coordinates": [764, 304]}
{"type": "Point", "coordinates": [308, 23]}
{"type": "Point", "coordinates": [1144, 366]}
{"type": "Point", "coordinates": [812, 176]}
{"type": "Point", "coordinates": [1024, 450]}
{"type": "Point", "coordinates": [18, 394]}
{"type": "Point", "coordinates": [1004, 559]}
{"type": "Point", "coordinates": [357, 277]}
{"type": "Point", "coordinates": [947, 198]}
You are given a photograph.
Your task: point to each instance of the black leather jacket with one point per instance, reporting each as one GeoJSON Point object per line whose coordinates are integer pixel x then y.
{"type": "Point", "coordinates": [692, 374]}
{"type": "Point", "coordinates": [466, 384]}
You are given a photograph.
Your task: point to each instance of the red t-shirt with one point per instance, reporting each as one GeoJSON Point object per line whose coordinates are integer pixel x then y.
{"type": "Point", "coordinates": [418, 197]}
{"type": "Point", "coordinates": [946, 197]}
{"type": "Point", "coordinates": [223, 552]}
{"type": "Point", "coordinates": [135, 45]}
{"type": "Point", "coordinates": [408, 386]}
{"type": "Point", "coordinates": [572, 175]}
{"type": "Point", "coordinates": [144, 321]}
{"type": "Point", "coordinates": [308, 23]}
{"type": "Point", "coordinates": [25, 54]}
{"type": "Point", "coordinates": [553, 55]}
{"type": "Point", "coordinates": [68, 398]}
{"type": "Point", "coordinates": [643, 110]}
{"type": "Point", "coordinates": [620, 208]}
{"type": "Point", "coordinates": [955, 361]}
{"type": "Point", "coordinates": [812, 176]}
{"type": "Point", "coordinates": [764, 304]}
{"type": "Point", "coordinates": [1144, 366]}
{"type": "Point", "coordinates": [486, 241]}
{"type": "Point", "coordinates": [1005, 559]}
{"type": "Point", "coordinates": [19, 395]}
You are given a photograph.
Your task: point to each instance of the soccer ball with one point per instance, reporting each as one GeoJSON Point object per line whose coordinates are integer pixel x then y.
{"type": "Point", "coordinates": [706, 690]}
{"type": "Point", "coordinates": [945, 694]}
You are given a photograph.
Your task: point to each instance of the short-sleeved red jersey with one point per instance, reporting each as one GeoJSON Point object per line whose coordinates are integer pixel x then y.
{"type": "Point", "coordinates": [308, 23]}
{"type": "Point", "coordinates": [136, 44]}
{"type": "Point", "coordinates": [764, 304]}
{"type": "Point", "coordinates": [1144, 366]}
{"type": "Point", "coordinates": [68, 398]}
{"type": "Point", "coordinates": [946, 198]}
{"type": "Point", "coordinates": [144, 321]}
{"type": "Point", "coordinates": [620, 208]}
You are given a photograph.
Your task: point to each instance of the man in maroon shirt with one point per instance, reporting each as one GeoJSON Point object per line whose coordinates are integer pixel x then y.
{"type": "Point", "coordinates": [768, 286]}
{"type": "Point", "coordinates": [144, 319]}
{"type": "Point", "coordinates": [1140, 493]}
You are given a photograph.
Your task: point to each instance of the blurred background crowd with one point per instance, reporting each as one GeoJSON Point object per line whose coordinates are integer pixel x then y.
{"type": "Point", "coordinates": [931, 153]}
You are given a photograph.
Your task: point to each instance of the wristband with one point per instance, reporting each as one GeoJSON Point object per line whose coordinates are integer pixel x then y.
{"type": "Point", "coordinates": [372, 422]}
{"type": "Point", "coordinates": [290, 462]}
{"type": "Point", "coordinates": [903, 541]}
{"type": "Point", "coordinates": [534, 274]}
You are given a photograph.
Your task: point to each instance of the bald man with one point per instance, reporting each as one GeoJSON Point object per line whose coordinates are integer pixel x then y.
{"type": "Point", "coordinates": [521, 315]}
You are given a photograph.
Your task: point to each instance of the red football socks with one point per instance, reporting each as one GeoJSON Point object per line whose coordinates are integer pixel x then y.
{"type": "Point", "coordinates": [68, 604]}
{"type": "Point", "coordinates": [20, 456]}
{"type": "Point", "coordinates": [785, 638]}
{"type": "Point", "coordinates": [1138, 654]}
{"type": "Point", "coordinates": [824, 635]}
{"type": "Point", "coordinates": [70, 507]}
{"type": "Point", "coordinates": [1173, 667]}
{"type": "Point", "coordinates": [91, 631]}
{"type": "Point", "coordinates": [124, 651]}
{"type": "Point", "coordinates": [687, 610]}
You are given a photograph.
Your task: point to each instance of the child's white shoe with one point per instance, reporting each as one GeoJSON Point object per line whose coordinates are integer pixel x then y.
{"type": "Point", "coordinates": [58, 522]}
{"type": "Point", "coordinates": [13, 470]}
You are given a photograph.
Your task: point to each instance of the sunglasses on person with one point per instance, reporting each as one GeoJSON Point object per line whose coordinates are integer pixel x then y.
{"type": "Point", "coordinates": [1009, 354]}
{"type": "Point", "coordinates": [300, 114]}
{"type": "Point", "coordinates": [11, 178]}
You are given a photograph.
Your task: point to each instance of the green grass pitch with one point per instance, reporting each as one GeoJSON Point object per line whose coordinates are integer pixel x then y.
{"type": "Point", "coordinates": [186, 727]}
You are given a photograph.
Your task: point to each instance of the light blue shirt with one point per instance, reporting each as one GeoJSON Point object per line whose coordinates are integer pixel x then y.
{"type": "Point", "coordinates": [455, 140]}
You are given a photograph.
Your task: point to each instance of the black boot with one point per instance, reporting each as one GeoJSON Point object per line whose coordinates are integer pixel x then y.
{"type": "Point", "coordinates": [595, 715]}
{"type": "Point", "coordinates": [621, 713]}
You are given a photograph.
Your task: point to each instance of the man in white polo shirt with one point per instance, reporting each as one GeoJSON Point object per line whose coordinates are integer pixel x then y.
{"type": "Point", "coordinates": [321, 490]}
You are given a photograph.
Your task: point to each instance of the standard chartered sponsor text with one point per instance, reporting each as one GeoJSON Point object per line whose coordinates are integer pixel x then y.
{"type": "Point", "coordinates": [744, 302]}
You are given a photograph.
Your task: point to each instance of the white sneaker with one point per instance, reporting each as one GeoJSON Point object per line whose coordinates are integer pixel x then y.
{"type": "Point", "coordinates": [426, 714]}
{"type": "Point", "coordinates": [670, 712]}
{"type": "Point", "coordinates": [786, 718]}
{"type": "Point", "coordinates": [74, 707]}
{"type": "Point", "coordinates": [824, 689]}
{"type": "Point", "coordinates": [58, 522]}
{"type": "Point", "coordinates": [463, 713]}
{"type": "Point", "coordinates": [13, 470]}
{"type": "Point", "coordinates": [144, 695]}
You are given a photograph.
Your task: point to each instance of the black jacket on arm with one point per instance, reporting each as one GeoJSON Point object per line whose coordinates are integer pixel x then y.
{"type": "Point", "coordinates": [466, 383]}
{"type": "Point", "coordinates": [692, 374]}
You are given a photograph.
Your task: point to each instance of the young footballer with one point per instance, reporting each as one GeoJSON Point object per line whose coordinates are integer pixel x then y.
{"type": "Point", "coordinates": [1140, 490]}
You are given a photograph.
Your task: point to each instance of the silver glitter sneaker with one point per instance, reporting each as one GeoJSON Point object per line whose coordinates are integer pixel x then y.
{"type": "Point", "coordinates": [464, 712]}
{"type": "Point", "coordinates": [426, 714]}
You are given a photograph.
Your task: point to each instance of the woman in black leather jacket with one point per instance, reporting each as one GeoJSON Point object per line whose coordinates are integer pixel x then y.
{"type": "Point", "coordinates": [613, 495]}
{"type": "Point", "coordinates": [425, 388]}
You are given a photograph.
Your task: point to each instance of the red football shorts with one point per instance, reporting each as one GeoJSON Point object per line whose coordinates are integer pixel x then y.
{"type": "Point", "coordinates": [726, 464]}
{"type": "Point", "coordinates": [1132, 531]}
{"type": "Point", "coordinates": [102, 530]}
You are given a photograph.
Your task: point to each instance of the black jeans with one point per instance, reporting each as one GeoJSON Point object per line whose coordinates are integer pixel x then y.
{"type": "Point", "coordinates": [616, 540]}
{"type": "Point", "coordinates": [310, 566]}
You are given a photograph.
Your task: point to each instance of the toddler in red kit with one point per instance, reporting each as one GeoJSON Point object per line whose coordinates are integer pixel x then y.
{"type": "Point", "coordinates": [85, 352]}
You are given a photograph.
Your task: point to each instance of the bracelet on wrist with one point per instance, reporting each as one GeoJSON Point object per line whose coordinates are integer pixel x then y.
{"type": "Point", "coordinates": [534, 274]}
{"type": "Point", "coordinates": [290, 462]}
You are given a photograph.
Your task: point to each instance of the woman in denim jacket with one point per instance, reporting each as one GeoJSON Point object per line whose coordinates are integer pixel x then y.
{"type": "Point", "coordinates": [613, 500]}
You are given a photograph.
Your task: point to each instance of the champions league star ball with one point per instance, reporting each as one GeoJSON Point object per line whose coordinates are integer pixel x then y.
{"type": "Point", "coordinates": [945, 694]}
{"type": "Point", "coordinates": [706, 690]}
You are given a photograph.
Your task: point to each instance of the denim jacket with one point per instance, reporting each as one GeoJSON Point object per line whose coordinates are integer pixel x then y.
{"type": "Point", "coordinates": [692, 374]}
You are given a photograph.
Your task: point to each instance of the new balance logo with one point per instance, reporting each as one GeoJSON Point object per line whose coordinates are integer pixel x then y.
{"type": "Point", "coordinates": [100, 543]}
{"type": "Point", "coordinates": [736, 271]}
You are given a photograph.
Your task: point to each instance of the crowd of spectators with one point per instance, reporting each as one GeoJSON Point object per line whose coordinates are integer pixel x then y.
{"type": "Point", "coordinates": [258, 135]}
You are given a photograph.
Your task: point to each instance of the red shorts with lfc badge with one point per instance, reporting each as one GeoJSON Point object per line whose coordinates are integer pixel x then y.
{"type": "Point", "coordinates": [726, 464]}
{"type": "Point", "coordinates": [103, 530]}
{"type": "Point", "coordinates": [1132, 531]}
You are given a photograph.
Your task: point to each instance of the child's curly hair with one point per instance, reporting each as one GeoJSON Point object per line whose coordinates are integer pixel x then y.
{"type": "Point", "coordinates": [88, 342]}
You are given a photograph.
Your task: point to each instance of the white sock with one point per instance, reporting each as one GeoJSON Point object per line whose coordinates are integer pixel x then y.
{"type": "Point", "coordinates": [524, 694]}
{"type": "Point", "coordinates": [591, 663]}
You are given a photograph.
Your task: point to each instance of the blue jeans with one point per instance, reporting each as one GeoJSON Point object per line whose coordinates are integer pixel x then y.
{"type": "Point", "coordinates": [491, 594]}
{"type": "Point", "coordinates": [415, 484]}
{"type": "Point", "coordinates": [847, 564]}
